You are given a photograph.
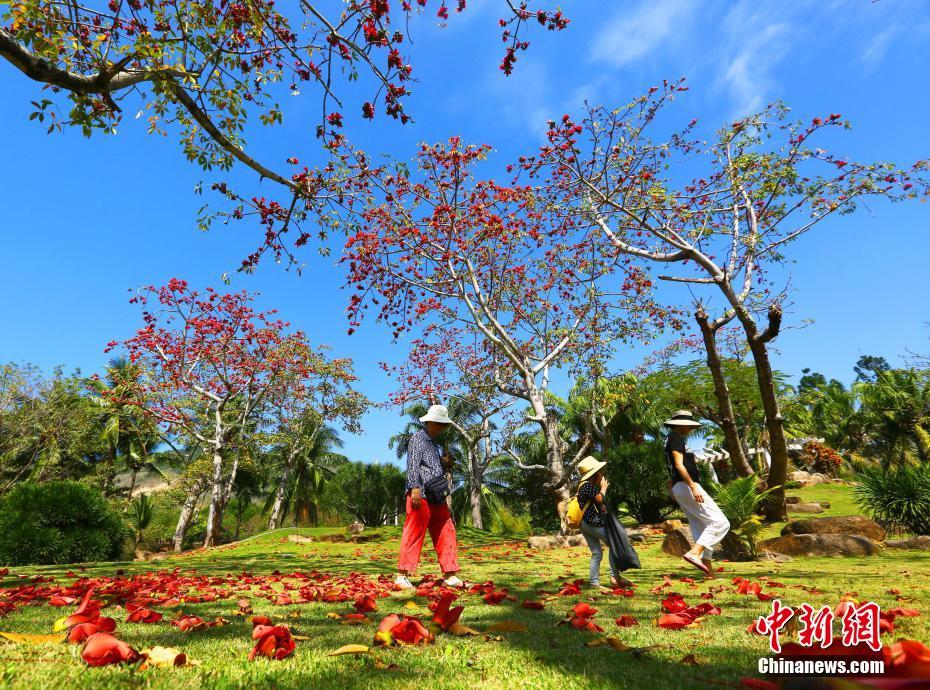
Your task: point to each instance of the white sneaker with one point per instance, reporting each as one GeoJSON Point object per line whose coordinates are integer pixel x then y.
{"type": "Point", "coordinates": [404, 582]}
{"type": "Point", "coordinates": [453, 582]}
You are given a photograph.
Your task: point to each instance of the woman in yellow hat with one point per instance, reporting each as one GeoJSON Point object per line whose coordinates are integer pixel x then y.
{"type": "Point", "coordinates": [591, 490]}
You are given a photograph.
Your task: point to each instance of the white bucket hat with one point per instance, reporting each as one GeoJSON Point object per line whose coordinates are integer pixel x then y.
{"type": "Point", "coordinates": [682, 418]}
{"type": "Point", "coordinates": [590, 466]}
{"type": "Point", "coordinates": [438, 414]}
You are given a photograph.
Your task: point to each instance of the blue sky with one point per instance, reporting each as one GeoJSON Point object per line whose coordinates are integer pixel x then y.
{"type": "Point", "coordinates": [86, 220]}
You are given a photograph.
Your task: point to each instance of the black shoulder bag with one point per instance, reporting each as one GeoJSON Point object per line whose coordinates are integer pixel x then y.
{"type": "Point", "coordinates": [436, 489]}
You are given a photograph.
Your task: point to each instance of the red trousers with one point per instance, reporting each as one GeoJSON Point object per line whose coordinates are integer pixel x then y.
{"type": "Point", "coordinates": [438, 520]}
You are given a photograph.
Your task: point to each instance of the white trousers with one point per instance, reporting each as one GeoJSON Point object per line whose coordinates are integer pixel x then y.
{"type": "Point", "coordinates": [707, 522]}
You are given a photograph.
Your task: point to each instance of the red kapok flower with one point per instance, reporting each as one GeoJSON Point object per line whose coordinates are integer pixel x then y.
{"type": "Point", "coordinates": [272, 641]}
{"type": "Point", "coordinates": [443, 617]}
{"type": "Point", "coordinates": [411, 631]}
{"type": "Point", "coordinates": [102, 649]}
{"type": "Point", "coordinates": [364, 604]}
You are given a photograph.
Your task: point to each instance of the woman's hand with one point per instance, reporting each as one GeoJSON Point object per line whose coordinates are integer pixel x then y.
{"type": "Point", "coordinates": [696, 494]}
{"type": "Point", "coordinates": [604, 485]}
{"type": "Point", "coordinates": [415, 499]}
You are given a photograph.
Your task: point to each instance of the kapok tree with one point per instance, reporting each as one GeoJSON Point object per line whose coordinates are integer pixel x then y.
{"type": "Point", "coordinates": [760, 186]}
{"type": "Point", "coordinates": [438, 247]}
{"type": "Point", "coordinates": [209, 72]}
{"type": "Point", "coordinates": [457, 369]}
{"type": "Point", "coordinates": [208, 363]}
{"type": "Point", "coordinates": [301, 404]}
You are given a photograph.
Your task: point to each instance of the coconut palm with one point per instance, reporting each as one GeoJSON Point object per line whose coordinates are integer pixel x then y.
{"type": "Point", "coordinates": [895, 415]}
{"type": "Point", "coordinates": [307, 460]}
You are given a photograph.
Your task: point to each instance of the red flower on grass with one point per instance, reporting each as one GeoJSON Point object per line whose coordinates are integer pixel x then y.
{"type": "Point", "coordinates": [102, 649]}
{"type": "Point", "coordinates": [443, 616]}
{"type": "Point", "coordinates": [272, 641]}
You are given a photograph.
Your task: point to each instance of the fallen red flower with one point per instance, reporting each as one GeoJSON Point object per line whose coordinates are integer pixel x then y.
{"type": "Point", "coordinates": [141, 615]}
{"type": "Point", "coordinates": [102, 649]}
{"type": "Point", "coordinates": [365, 604]}
{"type": "Point", "coordinates": [443, 616]}
{"type": "Point", "coordinates": [583, 610]}
{"type": "Point", "coordinates": [534, 605]}
{"type": "Point", "coordinates": [272, 641]}
{"type": "Point", "coordinates": [626, 621]}
{"type": "Point", "coordinates": [81, 631]}
{"type": "Point", "coordinates": [674, 621]}
{"type": "Point", "coordinates": [411, 631]}
{"type": "Point", "coordinates": [260, 620]}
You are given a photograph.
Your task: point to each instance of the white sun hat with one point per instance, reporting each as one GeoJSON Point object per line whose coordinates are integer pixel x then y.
{"type": "Point", "coordinates": [438, 414]}
{"type": "Point", "coordinates": [682, 418]}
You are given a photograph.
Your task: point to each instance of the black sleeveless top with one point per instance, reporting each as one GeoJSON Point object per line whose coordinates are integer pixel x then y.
{"type": "Point", "coordinates": [676, 441]}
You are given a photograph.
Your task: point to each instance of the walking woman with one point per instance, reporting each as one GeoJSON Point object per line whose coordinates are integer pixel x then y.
{"type": "Point", "coordinates": [707, 522]}
{"type": "Point", "coordinates": [596, 522]}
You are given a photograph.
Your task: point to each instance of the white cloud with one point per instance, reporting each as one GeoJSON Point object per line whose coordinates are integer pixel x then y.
{"type": "Point", "coordinates": [629, 36]}
{"type": "Point", "coordinates": [754, 45]}
{"type": "Point", "coordinates": [877, 48]}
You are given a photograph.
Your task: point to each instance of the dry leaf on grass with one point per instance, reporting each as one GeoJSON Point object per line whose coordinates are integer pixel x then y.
{"type": "Point", "coordinates": [462, 630]}
{"type": "Point", "coordinates": [25, 638]}
{"type": "Point", "coordinates": [689, 660]}
{"type": "Point", "coordinates": [165, 657]}
{"type": "Point", "coordinates": [350, 649]}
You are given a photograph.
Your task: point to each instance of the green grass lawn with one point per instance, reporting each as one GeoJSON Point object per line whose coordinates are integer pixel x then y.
{"type": "Point", "coordinates": [548, 656]}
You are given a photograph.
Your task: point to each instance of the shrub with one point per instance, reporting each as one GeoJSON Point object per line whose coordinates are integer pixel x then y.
{"type": "Point", "coordinates": [821, 458]}
{"type": "Point", "coordinates": [639, 480]}
{"type": "Point", "coordinates": [58, 522]}
{"type": "Point", "coordinates": [740, 500]}
{"type": "Point", "coordinates": [898, 498]}
{"type": "Point", "coordinates": [372, 494]}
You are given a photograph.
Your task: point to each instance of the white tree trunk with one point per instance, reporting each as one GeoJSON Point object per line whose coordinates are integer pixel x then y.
{"type": "Point", "coordinates": [187, 514]}
{"type": "Point", "coordinates": [214, 516]}
{"type": "Point", "coordinates": [277, 509]}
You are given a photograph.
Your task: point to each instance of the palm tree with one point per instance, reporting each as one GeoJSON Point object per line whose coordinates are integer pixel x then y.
{"type": "Point", "coordinates": [307, 460]}
{"type": "Point", "coordinates": [124, 430]}
{"type": "Point", "coordinates": [895, 415]}
{"type": "Point", "coordinates": [140, 516]}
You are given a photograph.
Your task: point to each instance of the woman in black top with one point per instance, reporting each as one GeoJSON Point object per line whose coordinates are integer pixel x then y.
{"type": "Point", "coordinates": [707, 522]}
{"type": "Point", "coordinates": [591, 492]}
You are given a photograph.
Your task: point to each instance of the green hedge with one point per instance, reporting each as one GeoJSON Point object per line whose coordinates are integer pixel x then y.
{"type": "Point", "coordinates": [59, 522]}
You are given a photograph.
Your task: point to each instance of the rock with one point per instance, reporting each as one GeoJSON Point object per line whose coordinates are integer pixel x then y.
{"type": "Point", "coordinates": [825, 504]}
{"type": "Point", "coordinates": [801, 477]}
{"type": "Point", "coordinates": [355, 528]}
{"type": "Point", "coordinates": [543, 542]}
{"type": "Point", "coordinates": [805, 508]}
{"type": "Point", "coordinates": [141, 555]}
{"type": "Point", "coordinates": [670, 526]}
{"type": "Point", "coordinates": [842, 524]}
{"type": "Point", "coordinates": [299, 539]}
{"type": "Point", "coordinates": [774, 557]}
{"type": "Point", "coordinates": [636, 535]}
{"type": "Point", "coordinates": [821, 545]}
{"type": "Point", "coordinates": [922, 542]}
{"type": "Point", "coordinates": [555, 541]}
{"type": "Point", "coordinates": [677, 543]}
{"type": "Point", "coordinates": [818, 478]}
{"type": "Point", "coordinates": [791, 500]}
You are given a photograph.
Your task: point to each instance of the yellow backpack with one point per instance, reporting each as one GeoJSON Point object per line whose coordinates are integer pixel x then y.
{"type": "Point", "coordinates": [574, 513]}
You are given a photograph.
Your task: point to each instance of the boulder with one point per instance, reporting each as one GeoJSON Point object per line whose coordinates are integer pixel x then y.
{"type": "Point", "coordinates": [791, 500]}
{"type": "Point", "coordinates": [355, 528]}
{"type": "Point", "coordinates": [670, 526]}
{"type": "Point", "coordinates": [922, 543]}
{"type": "Point", "coordinates": [636, 535]}
{"type": "Point", "coordinates": [805, 508]}
{"type": "Point", "coordinates": [841, 524]}
{"type": "Point", "coordinates": [555, 541]}
{"type": "Point", "coordinates": [299, 539]}
{"type": "Point", "coordinates": [677, 543]}
{"type": "Point", "coordinates": [807, 479]}
{"type": "Point", "coordinates": [774, 557]}
{"type": "Point", "coordinates": [821, 545]}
